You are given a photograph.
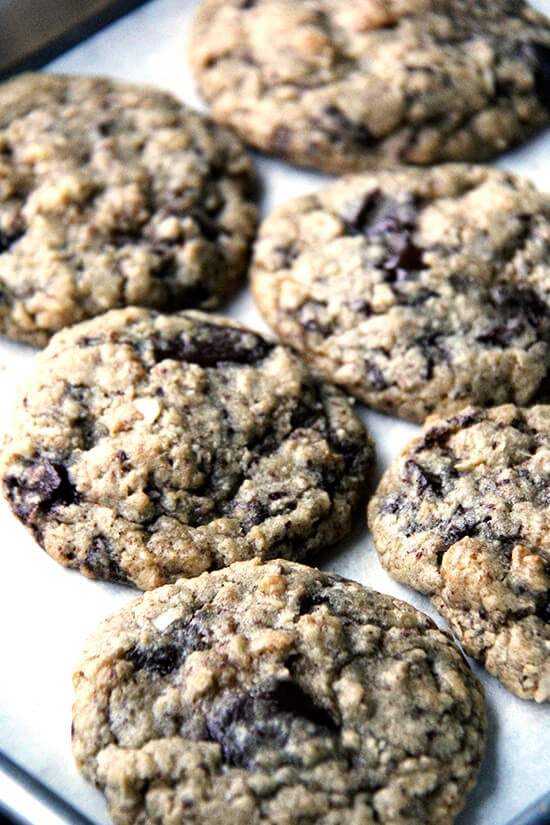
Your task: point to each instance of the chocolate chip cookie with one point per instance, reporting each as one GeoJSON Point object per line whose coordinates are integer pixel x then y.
{"type": "Point", "coordinates": [344, 86]}
{"type": "Point", "coordinates": [416, 290]}
{"type": "Point", "coordinates": [147, 447]}
{"type": "Point", "coordinates": [275, 693]}
{"type": "Point", "coordinates": [464, 515]}
{"type": "Point", "coordinates": [111, 195]}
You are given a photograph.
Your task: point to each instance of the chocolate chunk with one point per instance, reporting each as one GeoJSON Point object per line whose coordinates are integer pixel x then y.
{"type": "Point", "coordinates": [100, 562]}
{"type": "Point", "coordinates": [245, 725]}
{"type": "Point", "coordinates": [40, 485]}
{"type": "Point", "coordinates": [424, 479]}
{"type": "Point", "coordinates": [161, 660]}
{"type": "Point", "coordinates": [395, 221]}
{"type": "Point", "coordinates": [460, 525]}
{"type": "Point", "coordinates": [440, 434]}
{"type": "Point", "coordinates": [222, 345]}
{"type": "Point", "coordinates": [407, 258]}
{"type": "Point", "coordinates": [312, 600]}
{"type": "Point", "coordinates": [256, 513]}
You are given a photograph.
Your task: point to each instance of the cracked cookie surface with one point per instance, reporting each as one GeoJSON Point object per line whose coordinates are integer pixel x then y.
{"type": "Point", "coordinates": [415, 290]}
{"type": "Point", "coordinates": [276, 693]}
{"type": "Point", "coordinates": [149, 446]}
{"type": "Point", "coordinates": [112, 195]}
{"type": "Point", "coordinates": [343, 86]}
{"type": "Point", "coordinates": [463, 514]}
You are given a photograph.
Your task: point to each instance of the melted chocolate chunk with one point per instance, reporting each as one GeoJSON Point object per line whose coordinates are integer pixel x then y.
{"type": "Point", "coordinates": [100, 562]}
{"type": "Point", "coordinates": [256, 513]}
{"type": "Point", "coordinates": [312, 600]}
{"type": "Point", "coordinates": [245, 725]}
{"type": "Point", "coordinates": [407, 258]}
{"type": "Point", "coordinates": [395, 222]}
{"type": "Point", "coordinates": [41, 485]}
{"type": "Point", "coordinates": [223, 345]}
{"type": "Point", "coordinates": [424, 479]}
{"type": "Point", "coordinates": [161, 660]}
{"type": "Point", "coordinates": [440, 434]}
{"type": "Point", "coordinates": [460, 525]}
{"type": "Point", "coordinates": [185, 636]}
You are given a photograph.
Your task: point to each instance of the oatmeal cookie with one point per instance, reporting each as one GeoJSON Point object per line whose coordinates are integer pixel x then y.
{"type": "Point", "coordinates": [344, 86]}
{"type": "Point", "coordinates": [110, 195]}
{"type": "Point", "coordinates": [415, 290]}
{"type": "Point", "coordinates": [275, 693]}
{"type": "Point", "coordinates": [147, 447]}
{"type": "Point", "coordinates": [463, 514]}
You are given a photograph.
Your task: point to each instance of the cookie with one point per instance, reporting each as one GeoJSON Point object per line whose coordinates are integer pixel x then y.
{"type": "Point", "coordinates": [275, 693]}
{"type": "Point", "coordinates": [112, 195]}
{"type": "Point", "coordinates": [463, 514]}
{"type": "Point", "coordinates": [416, 290]}
{"type": "Point", "coordinates": [342, 86]}
{"type": "Point", "coordinates": [147, 447]}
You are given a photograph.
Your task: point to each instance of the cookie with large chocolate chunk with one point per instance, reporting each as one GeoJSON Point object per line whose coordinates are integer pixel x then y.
{"type": "Point", "coordinates": [147, 447]}
{"type": "Point", "coordinates": [463, 514]}
{"type": "Point", "coordinates": [275, 693]}
{"type": "Point", "coordinates": [416, 290]}
{"type": "Point", "coordinates": [112, 195]}
{"type": "Point", "coordinates": [344, 86]}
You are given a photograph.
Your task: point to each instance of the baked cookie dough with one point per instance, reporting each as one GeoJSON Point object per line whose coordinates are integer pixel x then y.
{"type": "Point", "coordinates": [111, 195]}
{"type": "Point", "coordinates": [147, 447]}
{"type": "Point", "coordinates": [463, 514]}
{"type": "Point", "coordinates": [415, 290]}
{"type": "Point", "coordinates": [275, 694]}
{"type": "Point", "coordinates": [344, 86]}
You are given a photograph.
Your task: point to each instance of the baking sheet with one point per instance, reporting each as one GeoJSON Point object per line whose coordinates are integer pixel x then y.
{"type": "Point", "coordinates": [46, 611]}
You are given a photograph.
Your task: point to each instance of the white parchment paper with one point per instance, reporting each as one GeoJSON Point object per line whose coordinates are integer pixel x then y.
{"type": "Point", "coordinates": [46, 611]}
